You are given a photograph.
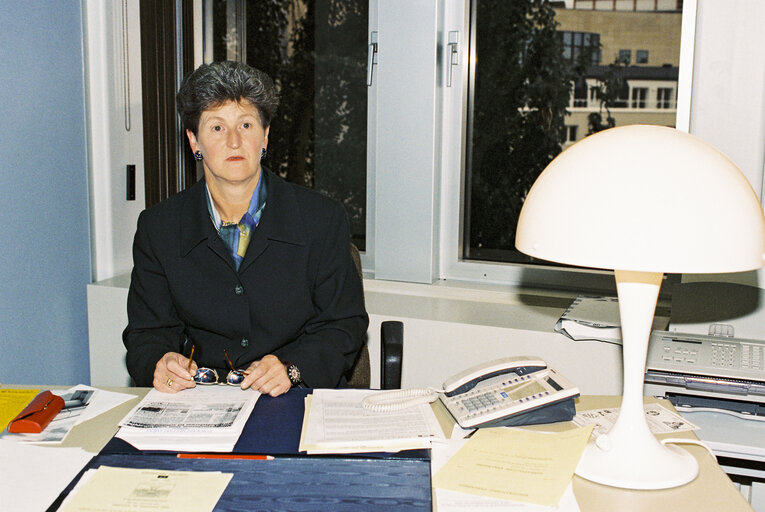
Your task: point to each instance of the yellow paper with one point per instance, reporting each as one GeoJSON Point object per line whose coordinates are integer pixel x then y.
{"type": "Point", "coordinates": [147, 490]}
{"type": "Point", "coordinates": [12, 402]}
{"type": "Point", "coordinates": [515, 464]}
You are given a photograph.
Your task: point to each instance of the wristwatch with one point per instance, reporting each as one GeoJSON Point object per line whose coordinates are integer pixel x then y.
{"type": "Point", "coordinates": [293, 373]}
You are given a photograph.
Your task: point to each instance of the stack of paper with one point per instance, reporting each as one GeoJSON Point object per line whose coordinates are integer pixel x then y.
{"type": "Point", "coordinates": [336, 422]}
{"type": "Point", "coordinates": [596, 319]}
{"type": "Point", "coordinates": [204, 418]}
{"type": "Point", "coordinates": [145, 490]}
{"type": "Point", "coordinates": [508, 469]}
{"type": "Point", "coordinates": [592, 318]}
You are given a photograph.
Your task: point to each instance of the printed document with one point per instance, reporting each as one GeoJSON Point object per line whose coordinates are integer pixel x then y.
{"type": "Point", "coordinates": [660, 420]}
{"type": "Point", "coordinates": [515, 464]}
{"type": "Point", "coordinates": [454, 501]}
{"type": "Point", "coordinates": [204, 418]}
{"type": "Point", "coordinates": [109, 489]}
{"type": "Point", "coordinates": [336, 422]}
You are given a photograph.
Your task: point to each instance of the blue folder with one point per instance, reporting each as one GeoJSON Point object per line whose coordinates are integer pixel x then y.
{"type": "Point", "coordinates": [292, 482]}
{"type": "Point", "coordinates": [303, 484]}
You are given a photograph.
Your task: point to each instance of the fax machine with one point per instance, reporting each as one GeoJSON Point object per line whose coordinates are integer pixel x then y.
{"type": "Point", "coordinates": [712, 356]}
{"type": "Point", "coordinates": [703, 371]}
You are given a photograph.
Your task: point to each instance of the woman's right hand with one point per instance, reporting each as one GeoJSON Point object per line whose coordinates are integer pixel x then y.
{"type": "Point", "coordinates": [171, 375]}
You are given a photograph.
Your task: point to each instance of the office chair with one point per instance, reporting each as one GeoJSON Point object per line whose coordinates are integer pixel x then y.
{"type": "Point", "coordinates": [391, 349]}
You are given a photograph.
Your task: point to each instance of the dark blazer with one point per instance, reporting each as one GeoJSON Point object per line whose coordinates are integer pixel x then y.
{"type": "Point", "coordinates": [296, 295]}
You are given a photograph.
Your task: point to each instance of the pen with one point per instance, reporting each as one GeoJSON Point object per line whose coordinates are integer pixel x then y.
{"type": "Point", "coordinates": [223, 456]}
{"type": "Point", "coordinates": [191, 358]}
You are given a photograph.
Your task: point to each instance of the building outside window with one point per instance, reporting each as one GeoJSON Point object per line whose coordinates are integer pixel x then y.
{"type": "Point", "coordinates": [595, 43]}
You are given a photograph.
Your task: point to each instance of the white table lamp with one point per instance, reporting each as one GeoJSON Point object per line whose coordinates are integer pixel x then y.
{"type": "Point", "coordinates": [641, 200]}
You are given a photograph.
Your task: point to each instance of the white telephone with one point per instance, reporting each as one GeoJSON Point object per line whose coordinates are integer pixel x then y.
{"type": "Point", "coordinates": [509, 391]}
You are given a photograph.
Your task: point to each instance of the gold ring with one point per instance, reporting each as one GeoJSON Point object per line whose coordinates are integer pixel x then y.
{"type": "Point", "coordinates": [169, 382]}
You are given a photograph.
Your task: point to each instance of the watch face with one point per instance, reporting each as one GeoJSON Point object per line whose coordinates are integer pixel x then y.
{"type": "Point", "coordinates": [294, 374]}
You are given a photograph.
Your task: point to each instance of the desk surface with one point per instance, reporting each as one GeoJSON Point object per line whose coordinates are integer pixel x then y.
{"type": "Point", "coordinates": [711, 490]}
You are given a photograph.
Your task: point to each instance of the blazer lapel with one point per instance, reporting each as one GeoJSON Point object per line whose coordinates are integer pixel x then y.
{"type": "Point", "coordinates": [280, 220]}
{"type": "Point", "coordinates": [196, 226]}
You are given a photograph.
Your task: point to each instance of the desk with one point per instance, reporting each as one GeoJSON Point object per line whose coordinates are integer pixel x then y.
{"type": "Point", "coordinates": [711, 490]}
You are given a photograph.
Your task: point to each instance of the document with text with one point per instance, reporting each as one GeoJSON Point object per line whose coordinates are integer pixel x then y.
{"type": "Point", "coordinates": [204, 418]}
{"type": "Point", "coordinates": [109, 489]}
{"type": "Point", "coordinates": [335, 421]}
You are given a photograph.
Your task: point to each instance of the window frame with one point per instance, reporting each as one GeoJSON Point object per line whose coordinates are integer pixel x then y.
{"type": "Point", "coordinates": [447, 181]}
{"type": "Point", "coordinates": [452, 265]}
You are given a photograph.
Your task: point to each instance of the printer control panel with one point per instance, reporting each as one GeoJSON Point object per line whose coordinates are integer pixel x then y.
{"type": "Point", "coordinates": [719, 354]}
{"type": "Point", "coordinates": [706, 355]}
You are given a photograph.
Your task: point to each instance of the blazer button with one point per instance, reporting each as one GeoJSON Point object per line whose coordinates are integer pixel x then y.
{"type": "Point", "coordinates": [245, 342]}
{"type": "Point", "coordinates": [238, 290]}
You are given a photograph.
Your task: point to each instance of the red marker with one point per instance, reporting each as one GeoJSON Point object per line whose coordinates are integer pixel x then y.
{"type": "Point", "coordinates": [223, 456]}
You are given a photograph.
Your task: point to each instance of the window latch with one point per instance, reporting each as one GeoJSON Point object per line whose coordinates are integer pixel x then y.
{"type": "Point", "coordinates": [454, 56]}
{"type": "Point", "coordinates": [371, 56]}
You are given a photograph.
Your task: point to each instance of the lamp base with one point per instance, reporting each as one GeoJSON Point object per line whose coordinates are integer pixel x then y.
{"type": "Point", "coordinates": [636, 465]}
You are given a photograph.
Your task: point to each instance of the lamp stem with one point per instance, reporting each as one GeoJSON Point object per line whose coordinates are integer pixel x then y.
{"type": "Point", "coordinates": [629, 455]}
{"type": "Point", "coordinates": [638, 293]}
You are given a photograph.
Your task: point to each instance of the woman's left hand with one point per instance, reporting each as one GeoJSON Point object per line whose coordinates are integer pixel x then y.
{"type": "Point", "coordinates": [269, 376]}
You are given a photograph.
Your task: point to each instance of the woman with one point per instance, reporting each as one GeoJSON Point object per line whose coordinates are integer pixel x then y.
{"type": "Point", "coordinates": [252, 272]}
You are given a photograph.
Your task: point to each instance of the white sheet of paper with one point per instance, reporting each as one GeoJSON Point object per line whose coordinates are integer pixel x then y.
{"type": "Point", "coordinates": [36, 483]}
{"type": "Point", "coordinates": [660, 420]}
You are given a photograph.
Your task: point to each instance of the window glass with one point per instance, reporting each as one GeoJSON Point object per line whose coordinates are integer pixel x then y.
{"type": "Point", "coordinates": [665, 97]}
{"type": "Point", "coordinates": [639, 95]}
{"type": "Point", "coordinates": [641, 57]}
{"type": "Point", "coordinates": [570, 78]}
{"type": "Point", "coordinates": [315, 50]}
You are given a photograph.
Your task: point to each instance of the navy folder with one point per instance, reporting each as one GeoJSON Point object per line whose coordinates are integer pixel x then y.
{"type": "Point", "coordinates": [290, 481]}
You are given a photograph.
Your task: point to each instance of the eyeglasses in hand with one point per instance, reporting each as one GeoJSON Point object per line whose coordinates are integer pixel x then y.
{"type": "Point", "coordinates": [208, 376]}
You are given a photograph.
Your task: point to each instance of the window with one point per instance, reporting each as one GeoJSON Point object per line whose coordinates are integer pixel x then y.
{"type": "Point", "coordinates": [665, 97]}
{"type": "Point", "coordinates": [316, 53]}
{"type": "Point", "coordinates": [518, 117]}
{"type": "Point", "coordinates": [580, 45]}
{"type": "Point", "coordinates": [571, 133]}
{"type": "Point", "coordinates": [639, 95]}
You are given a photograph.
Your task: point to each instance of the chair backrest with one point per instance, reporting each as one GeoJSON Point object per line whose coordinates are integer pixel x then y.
{"type": "Point", "coordinates": [360, 374]}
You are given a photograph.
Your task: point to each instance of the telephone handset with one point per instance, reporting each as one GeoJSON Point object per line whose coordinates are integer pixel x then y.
{"type": "Point", "coordinates": [504, 392]}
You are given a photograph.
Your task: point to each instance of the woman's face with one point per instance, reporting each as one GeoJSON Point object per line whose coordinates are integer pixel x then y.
{"type": "Point", "coordinates": [231, 139]}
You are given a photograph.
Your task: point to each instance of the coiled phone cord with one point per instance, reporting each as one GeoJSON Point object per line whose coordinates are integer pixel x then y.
{"type": "Point", "coordinates": [398, 399]}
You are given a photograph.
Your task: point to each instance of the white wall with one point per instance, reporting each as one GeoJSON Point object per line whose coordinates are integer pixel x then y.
{"type": "Point", "coordinates": [115, 130]}
{"type": "Point", "coordinates": [728, 96]}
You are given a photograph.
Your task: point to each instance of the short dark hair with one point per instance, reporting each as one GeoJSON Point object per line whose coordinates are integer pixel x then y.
{"type": "Point", "coordinates": [211, 85]}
